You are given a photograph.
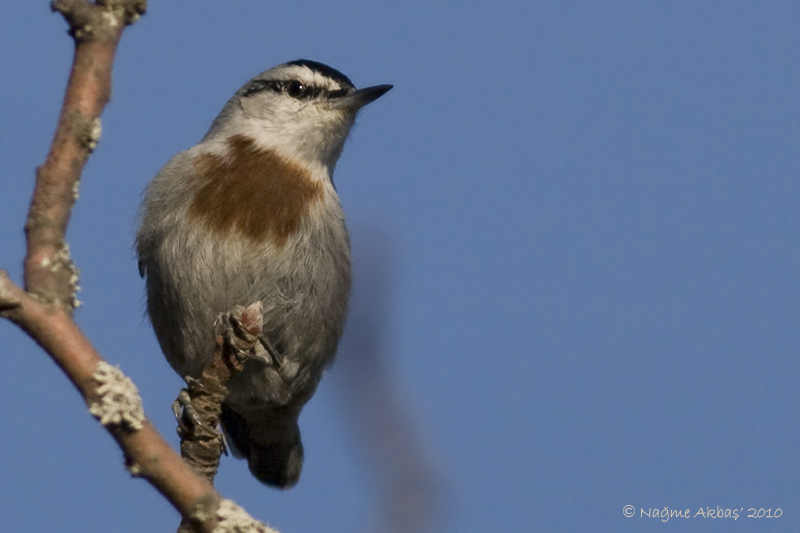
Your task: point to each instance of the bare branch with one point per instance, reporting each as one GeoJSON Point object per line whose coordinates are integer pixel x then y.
{"type": "Point", "coordinates": [146, 452]}
{"type": "Point", "coordinates": [44, 309]}
{"type": "Point", "coordinates": [410, 493]}
{"type": "Point", "coordinates": [49, 272]}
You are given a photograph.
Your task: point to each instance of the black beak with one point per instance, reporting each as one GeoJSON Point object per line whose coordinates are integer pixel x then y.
{"type": "Point", "coordinates": [358, 99]}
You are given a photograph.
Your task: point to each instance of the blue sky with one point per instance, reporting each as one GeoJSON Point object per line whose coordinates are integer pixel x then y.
{"type": "Point", "coordinates": [592, 215]}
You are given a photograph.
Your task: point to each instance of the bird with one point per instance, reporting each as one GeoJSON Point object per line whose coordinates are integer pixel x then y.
{"type": "Point", "coordinates": [250, 213]}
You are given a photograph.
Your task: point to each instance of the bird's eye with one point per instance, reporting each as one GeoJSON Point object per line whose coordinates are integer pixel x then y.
{"type": "Point", "coordinates": [296, 89]}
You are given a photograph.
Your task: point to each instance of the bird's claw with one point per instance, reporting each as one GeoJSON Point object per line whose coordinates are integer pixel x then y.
{"type": "Point", "coordinates": [185, 414]}
{"type": "Point", "coordinates": [267, 352]}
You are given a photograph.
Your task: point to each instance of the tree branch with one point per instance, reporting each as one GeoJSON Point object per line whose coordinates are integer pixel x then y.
{"type": "Point", "coordinates": [147, 454]}
{"type": "Point", "coordinates": [44, 309]}
{"type": "Point", "coordinates": [97, 29]}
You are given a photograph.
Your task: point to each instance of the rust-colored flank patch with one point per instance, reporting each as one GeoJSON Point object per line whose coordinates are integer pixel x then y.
{"type": "Point", "coordinates": [252, 191]}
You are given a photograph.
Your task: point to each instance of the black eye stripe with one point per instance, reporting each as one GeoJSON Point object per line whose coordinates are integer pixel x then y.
{"type": "Point", "coordinates": [325, 70]}
{"type": "Point", "coordinates": [258, 86]}
{"type": "Point", "coordinates": [301, 91]}
{"type": "Point", "coordinates": [279, 86]}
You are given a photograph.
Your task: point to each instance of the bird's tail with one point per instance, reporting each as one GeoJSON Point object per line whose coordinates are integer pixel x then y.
{"type": "Point", "coordinates": [271, 444]}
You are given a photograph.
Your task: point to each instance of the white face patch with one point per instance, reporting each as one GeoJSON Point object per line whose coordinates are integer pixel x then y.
{"type": "Point", "coordinates": [288, 111]}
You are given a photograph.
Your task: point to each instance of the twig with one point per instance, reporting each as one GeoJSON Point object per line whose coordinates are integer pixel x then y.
{"type": "Point", "coordinates": [198, 407]}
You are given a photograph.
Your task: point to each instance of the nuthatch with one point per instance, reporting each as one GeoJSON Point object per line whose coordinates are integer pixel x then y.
{"type": "Point", "coordinates": [250, 213]}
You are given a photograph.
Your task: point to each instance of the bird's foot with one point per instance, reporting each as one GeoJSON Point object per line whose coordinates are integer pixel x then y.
{"type": "Point", "coordinates": [185, 414]}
